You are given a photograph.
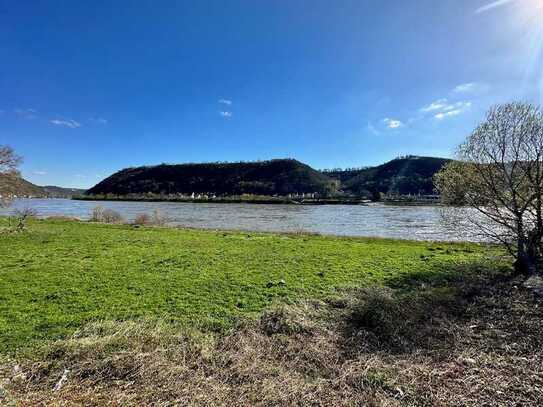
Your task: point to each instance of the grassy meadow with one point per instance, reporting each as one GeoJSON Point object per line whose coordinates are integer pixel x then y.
{"type": "Point", "coordinates": [97, 314]}
{"type": "Point", "coordinates": [61, 274]}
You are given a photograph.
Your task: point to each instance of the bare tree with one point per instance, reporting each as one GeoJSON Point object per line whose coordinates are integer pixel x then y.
{"type": "Point", "coordinates": [499, 173]}
{"type": "Point", "coordinates": [9, 161]}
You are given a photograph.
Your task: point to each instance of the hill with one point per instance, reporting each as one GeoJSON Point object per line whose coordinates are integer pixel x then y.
{"type": "Point", "coordinates": [405, 175]}
{"type": "Point", "coordinates": [21, 187]}
{"type": "Point", "coordinates": [274, 177]}
{"type": "Point", "coordinates": [60, 192]}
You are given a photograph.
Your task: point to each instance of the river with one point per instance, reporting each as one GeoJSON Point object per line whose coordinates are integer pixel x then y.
{"type": "Point", "coordinates": [373, 220]}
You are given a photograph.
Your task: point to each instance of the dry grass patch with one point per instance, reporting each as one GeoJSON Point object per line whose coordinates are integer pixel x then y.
{"type": "Point", "coordinates": [466, 343]}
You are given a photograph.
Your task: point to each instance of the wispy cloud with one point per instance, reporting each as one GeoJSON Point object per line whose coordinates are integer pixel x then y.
{"type": "Point", "coordinates": [437, 105]}
{"type": "Point", "coordinates": [371, 128]}
{"type": "Point", "coordinates": [226, 102]}
{"type": "Point", "coordinates": [72, 124]}
{"type": "Point", "coordinates": [29, 114]}
{"type": "Point", "coordinates": [225, 114]}
{"type": "Point", "coordinates": [465, 87]}
{"type": "Point", "coordinates": [453, 110]}
{"type": "Point", "coordinates": [393, 123]}
{"type": "Point", "coordinates": [442, 115]}
{"type": "Point", "coordinates": [442, 108]}
{"type": "Point", "coordinates": [99, 120]}
{"type": "Point", "coordinates": [39, 173]}
{"type": "Point", "coordinates": [493, 5]}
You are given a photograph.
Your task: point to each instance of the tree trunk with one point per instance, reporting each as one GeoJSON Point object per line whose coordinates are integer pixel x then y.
{"type": "Point", "coordinates": [528, 262]}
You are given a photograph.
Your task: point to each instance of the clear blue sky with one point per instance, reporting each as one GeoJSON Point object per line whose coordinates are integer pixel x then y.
{"type": "Point", "coordinates": [90, 87]}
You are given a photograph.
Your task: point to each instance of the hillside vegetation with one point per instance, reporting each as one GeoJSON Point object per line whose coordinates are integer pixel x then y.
{"type": "Point", "coordinates": [408, 175]}
{"type": "Point", "coordinates": [275, 177]}
{"type": "Point", "coordinates": [21, 187]}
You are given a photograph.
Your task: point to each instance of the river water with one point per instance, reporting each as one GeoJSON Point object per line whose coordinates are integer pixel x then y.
{"type": "Point", "coordinates": [378, 220]}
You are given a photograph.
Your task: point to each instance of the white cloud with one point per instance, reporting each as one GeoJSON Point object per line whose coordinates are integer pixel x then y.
{"type": "Point", "coordinates": [225, 102]}
{"type": "Point", "coordinates": [225, 114]}
{"type": "Point", "coordinates": [442, 108]}
{"type": "Point", "coordinates": [392, 123]}
{"type": "Point", "coordinates": [72, 124]}
{"type": "Point", "coordinates": [437, 105]}
{"type": "Point", "coordinates": [465, 87]}
{"type": "Point", "coordinates": [442, 115]}
{"type": "Point", "coordinates": [493, 5]}
{"type": "Point", "coordinates": [39, 173]}
{"type": "Point", "coordinates": [453, 110]}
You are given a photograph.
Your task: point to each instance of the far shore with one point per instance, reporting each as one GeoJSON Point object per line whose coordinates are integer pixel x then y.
{"type": "Point", "coordinates": [233, 200]}
{"type": "Point", "coordinates": [263, 200]}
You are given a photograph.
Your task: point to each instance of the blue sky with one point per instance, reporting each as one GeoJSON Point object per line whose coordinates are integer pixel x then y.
{"type": "Point", "coordinates": [87, 88]}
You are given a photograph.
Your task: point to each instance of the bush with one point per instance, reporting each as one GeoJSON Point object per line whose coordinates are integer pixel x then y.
{"type": "Point", "coordinates": [21, 216]}
{"type": "Point", "coordinates": [112, 216]}
{"type": "Point", "coordinates": [400, 322]}
{"type": "Point", "coordinates": [159, 219]}
{"type": "Point", "coordinates": [100, 214]}
{"type": "Point", "coordinates": [142, 220]}
{"type": "Point", "coordinates": [97, 214]}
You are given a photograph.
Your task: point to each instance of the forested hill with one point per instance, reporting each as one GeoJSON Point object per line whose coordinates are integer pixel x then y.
{"type": "Point", "coordinates": [21, 187]}
{"type": "Point", "coordinates": [274, 177]}
{"type": "Point", "coordinates": [405, 175]}
{"type": "Point", "coordinates": [10, 185]}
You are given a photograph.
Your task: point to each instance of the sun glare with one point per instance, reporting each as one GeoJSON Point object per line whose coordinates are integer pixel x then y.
{"type": "Point", "coordinates": [531, 25]}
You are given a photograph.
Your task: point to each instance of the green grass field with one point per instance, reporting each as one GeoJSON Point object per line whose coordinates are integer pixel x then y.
{"type": "Point", "coordinates": [61, 274]}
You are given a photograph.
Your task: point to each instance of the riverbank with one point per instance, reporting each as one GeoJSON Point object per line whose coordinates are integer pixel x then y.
{"type": "Point", "coordinates": [142, 315]}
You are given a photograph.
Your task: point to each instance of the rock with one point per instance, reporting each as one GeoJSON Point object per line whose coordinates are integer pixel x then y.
{"type": "Point", "coordinates": [62, 380]}
{"type": "Point", "coordinates": [535, 283]}
{"type": "Point", "coordinates": [468, 361]}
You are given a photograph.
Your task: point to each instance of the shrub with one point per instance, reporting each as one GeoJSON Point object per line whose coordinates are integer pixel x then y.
{"type": "Point", "coordinates": [400, 322]}
{"type": "Point", "coordinates": [111, 216]}
{"type": "Point", "coordinates": [21, 216]}
{"type": "Point", "coordinates": [100, 214]}
{"type": "Point", "coordinates": [159, 219]}
{"type": "Point", "coordinates": [97, 214]}
{"type": "Point", "coordinates": [142, 219]}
